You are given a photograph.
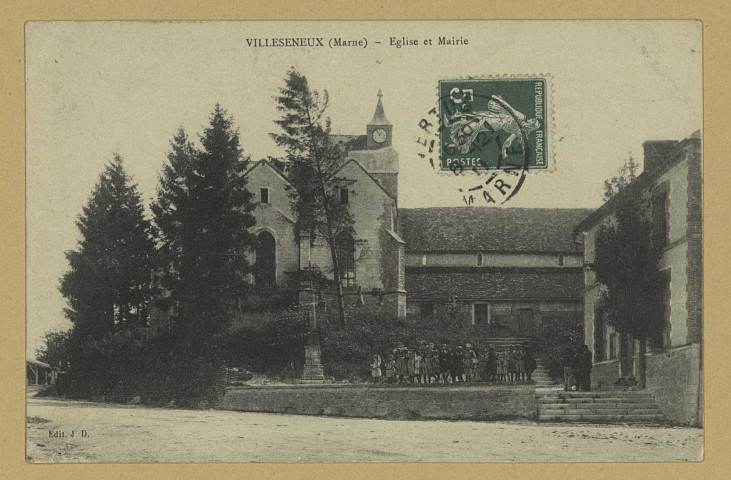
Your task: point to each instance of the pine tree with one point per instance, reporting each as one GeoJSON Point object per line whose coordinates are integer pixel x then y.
{"type": "Point", "coordinates": [203, 212]}
{"type": "Point", "coordinates": [314, 161]}
{"type": "Point", "coordinates": [109, 286]}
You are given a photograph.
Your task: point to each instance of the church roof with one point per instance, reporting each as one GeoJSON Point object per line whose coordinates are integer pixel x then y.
{"type": "Point", "coordinates": [480, 283]}
{"type": "Point", "coordinates": [379, 118]}
{"type": "Point", "coordinates": [486, 229]}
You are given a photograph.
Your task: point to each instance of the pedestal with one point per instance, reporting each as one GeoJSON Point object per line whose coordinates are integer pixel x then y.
{"type": "Point", "coordinates": [312, 371]}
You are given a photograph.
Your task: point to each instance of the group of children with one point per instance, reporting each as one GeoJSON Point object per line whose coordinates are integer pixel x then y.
{"type": "Point", "coordinates": [430, 364]}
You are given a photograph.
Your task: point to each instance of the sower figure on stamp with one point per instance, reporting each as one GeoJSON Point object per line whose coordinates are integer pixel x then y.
{"type": "Point", "coordinates": [499, 117]}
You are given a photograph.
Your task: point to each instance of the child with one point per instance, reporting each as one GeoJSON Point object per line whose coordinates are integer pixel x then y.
{"type": "Point", "coordinates": [376, 368]}
{"type": "Point", "coordinates": [467, 365]}
{"type": "Point", "coordinates": [416, 359]}
{"type": "Point", "coordinates": [502, 365]}
{"type": "Point", "coordinates": [432, 366]}
{"type": "Point", "coordinates": [390, 369]}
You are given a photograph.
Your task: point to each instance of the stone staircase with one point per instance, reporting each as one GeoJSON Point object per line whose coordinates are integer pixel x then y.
{"type": "Point", "coordinates": [599, 407]}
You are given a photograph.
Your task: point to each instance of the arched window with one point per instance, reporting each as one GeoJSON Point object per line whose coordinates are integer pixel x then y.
{"type": "Point", "coordinates": [345, 249]}
{"type": "Point", "coordinates": [265, 268]}
{"type": "Point", "coordinates": [479, 259]}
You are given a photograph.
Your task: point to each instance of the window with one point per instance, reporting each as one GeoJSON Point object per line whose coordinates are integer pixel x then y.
{"type": "Point", "coordinates": [525, 319]}
{"type": "Point", "coordinates": [344, 196]}
{"type": "Point", "coordinates": [560, 260]}
{"type": "Point", "coordinates": [426, 310]}
{"type": "Point", "coordinates": [265, 268]}
{"type": "Point", "coordinates": [264, 195]}
{"type": "Point", "coordinates": [345, 250]}
{"type": "Point", "coordinates": [413, 310]}
{"type": "Point", "coordinates": [599, 335]}
{"type": "Point", "coordinates": [479, 259]}
{"type": "Point", "coordinates": [660, 215]}
{"type": "Point", "coordinates": [481, 317]}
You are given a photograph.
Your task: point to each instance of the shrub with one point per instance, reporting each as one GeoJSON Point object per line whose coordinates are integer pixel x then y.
{"type": "Point", "coordinates": [554, 335]}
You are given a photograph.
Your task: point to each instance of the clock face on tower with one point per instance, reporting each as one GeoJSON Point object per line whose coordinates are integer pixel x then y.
{"type": "Point", "coordinates": [379, 135]}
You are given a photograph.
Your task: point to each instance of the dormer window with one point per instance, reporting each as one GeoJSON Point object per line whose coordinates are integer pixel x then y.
{"type": "Point", "coordinates": [479, 259]}
{"type": "Point", "coordinates": [264, 195]}
{"type": "Point", "coordinates": [560, 260]}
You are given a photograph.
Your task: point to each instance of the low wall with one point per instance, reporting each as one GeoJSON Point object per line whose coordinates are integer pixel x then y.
{"type": "Point", "coordinates": [604, 374]}
{"type": "Point", "coordinates": [673, 377]}
{"type": "Point", "coordinates": [675, 380]}
{"type": "Point", "coordinates": [451, 403]}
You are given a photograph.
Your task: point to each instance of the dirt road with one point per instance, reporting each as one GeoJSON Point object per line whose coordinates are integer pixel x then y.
{"type": "Point", "coordinates": [112, 433]}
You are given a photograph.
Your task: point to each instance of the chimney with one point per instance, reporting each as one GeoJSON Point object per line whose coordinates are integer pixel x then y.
{"type": "Point", "coordinates": [657, 152]}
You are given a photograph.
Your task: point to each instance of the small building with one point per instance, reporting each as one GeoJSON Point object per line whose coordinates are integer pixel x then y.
{"type": "Point", "coordinates": [39, 373]}
{"type": "Point", "coordinates": [502, 270]}
{"type": "Point", "coordinates": [672, 177]}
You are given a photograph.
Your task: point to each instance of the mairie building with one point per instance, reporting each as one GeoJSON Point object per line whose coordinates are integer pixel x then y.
{"type": "Point", "coordinates": [672, 180]}
{"type": "Point", "coordinates": [507, 269]}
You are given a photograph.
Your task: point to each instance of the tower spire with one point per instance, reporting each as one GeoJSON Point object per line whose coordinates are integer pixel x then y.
{"type": "Point", "coordinates": [379, 118]}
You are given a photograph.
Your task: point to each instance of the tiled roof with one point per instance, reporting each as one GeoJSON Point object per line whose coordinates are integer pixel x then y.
{"type": "Point", "coordinates": [494, 283]}
{"type": "Point", "coordinates": [488, 229]}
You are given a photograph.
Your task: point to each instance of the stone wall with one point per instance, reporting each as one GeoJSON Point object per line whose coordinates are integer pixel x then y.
{"type": "Point", "coordinates": [674, 378]}
{"type": "Point", "coordinates": [604, 374]}
{"type": "Point", "coordinates": [452, 403]}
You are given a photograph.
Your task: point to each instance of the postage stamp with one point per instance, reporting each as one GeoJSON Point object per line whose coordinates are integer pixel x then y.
{"type": "Point", "coordinates": [494, 123]}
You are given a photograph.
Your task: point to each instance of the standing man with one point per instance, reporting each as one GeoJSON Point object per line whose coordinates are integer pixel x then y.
{"type": "Point", "coordinates": [585, 369]}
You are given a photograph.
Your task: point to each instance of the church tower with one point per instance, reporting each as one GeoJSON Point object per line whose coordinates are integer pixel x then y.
{"type": "Point", "coordinates": [379, 129]}
{"type": "Point", "coordinates": [376, 155]}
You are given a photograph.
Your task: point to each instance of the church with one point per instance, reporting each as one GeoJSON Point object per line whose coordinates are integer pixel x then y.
{"type": "Point", "coordinates": [504, 269]}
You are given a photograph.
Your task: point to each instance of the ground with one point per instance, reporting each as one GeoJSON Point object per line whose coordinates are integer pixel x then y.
{"type": "Point", "coordinates": [120, 433]}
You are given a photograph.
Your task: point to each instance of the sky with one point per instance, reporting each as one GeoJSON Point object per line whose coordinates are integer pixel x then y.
{"type": "Point", "coordinates": [95, 88]}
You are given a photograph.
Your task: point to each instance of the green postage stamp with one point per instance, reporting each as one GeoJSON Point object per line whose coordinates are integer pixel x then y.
{"type": "Point", "coordinates": [494, 123]}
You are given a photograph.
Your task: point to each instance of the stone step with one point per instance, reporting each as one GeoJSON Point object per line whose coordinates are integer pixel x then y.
{"type": "Point", "coordinates": [595, 395]}
{"type": "Point", "coordinates": [638, 406]}
{"type": "Point", "coordinates": [598, 411]}
{"type": "Point", "coordinates": [630, 418]}
{"type": "Point", "coordinates": [637, 400]}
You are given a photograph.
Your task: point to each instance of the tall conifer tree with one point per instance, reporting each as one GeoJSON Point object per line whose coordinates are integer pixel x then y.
{"type": "Point", "coordinates": [315, 161]}
{"type": "Point", "coordinates": [109, 285]}
{"type": "Point", "coordinates": [203, 211]}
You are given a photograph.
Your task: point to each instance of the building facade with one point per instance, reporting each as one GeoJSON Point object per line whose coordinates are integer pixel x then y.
{"type": "Point", "coordinates": [504, 269]}
{"type": "Point", "coordinates": [672, 179]}
{"type": "Point", "coordinates": [372, 267]}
